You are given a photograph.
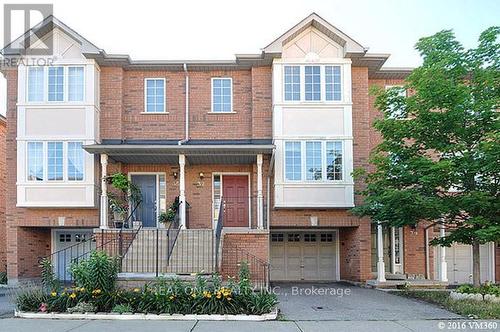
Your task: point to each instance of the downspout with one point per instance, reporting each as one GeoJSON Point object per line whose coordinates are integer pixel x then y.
{"type": "Point", "coordinates": [186, 134]}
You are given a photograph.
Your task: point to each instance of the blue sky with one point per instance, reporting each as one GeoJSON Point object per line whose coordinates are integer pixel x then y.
{"type": "Point", "coordinates": [218, 29]}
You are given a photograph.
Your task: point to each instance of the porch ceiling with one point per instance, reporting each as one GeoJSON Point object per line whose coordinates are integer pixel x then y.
{"type": "Point", "coordinates": [196, 152]}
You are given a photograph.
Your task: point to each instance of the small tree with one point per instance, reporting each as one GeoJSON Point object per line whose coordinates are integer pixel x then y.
{"type": "Point", "coordinates": [439, 160]}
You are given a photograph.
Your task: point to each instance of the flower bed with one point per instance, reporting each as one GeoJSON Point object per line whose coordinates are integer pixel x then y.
{"type": "Point", "coordinates": [486, 292]}
{"type": "Point", "coordinates": [95, 296]}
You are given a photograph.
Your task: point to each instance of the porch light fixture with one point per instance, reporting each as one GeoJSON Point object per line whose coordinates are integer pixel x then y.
{"type": "Point", "coordinates": [175, 175]}
{"type": "Point", "coordinates": [202, 176]}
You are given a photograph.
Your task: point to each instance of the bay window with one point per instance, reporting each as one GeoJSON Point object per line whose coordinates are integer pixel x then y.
{"type": "Point", "coordinates": [55, 84]}
{"type": "Point", "coordinates": [55, 161]}
{"type": "Point", "coordinates": [318, 83]}
{"type": "Point", "coordinates": [313, 161]}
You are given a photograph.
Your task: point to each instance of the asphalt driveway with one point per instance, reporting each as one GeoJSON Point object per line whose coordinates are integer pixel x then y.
{"type": "Point", "coordinates": [341, 301]}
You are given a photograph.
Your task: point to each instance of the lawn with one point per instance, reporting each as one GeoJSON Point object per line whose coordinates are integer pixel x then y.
{"type": "Point", "coordinates": [467, 308]}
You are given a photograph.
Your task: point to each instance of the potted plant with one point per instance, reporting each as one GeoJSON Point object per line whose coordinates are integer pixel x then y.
{"type": "Point", "coordinates": [169, 215]}
{"type": "Point", "coordinates": [125, 192]}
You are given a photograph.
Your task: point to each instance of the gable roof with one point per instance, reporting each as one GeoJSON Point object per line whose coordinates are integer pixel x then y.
{"type": "Point", "coordinates": [351, 47]}
{"type": "Point", "coordinates": [46, 26]}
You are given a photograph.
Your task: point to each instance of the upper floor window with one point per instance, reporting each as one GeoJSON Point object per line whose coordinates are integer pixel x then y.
{"type": "Point", "coordinates": [35, 83]}
{"type": "Point", "coordinates": [332, 83]}
{"type": "Point", "coordinates": [397, 109]}
{"type": "Point", "coordinates": [35, 161]}
{"type": "Point", "coordinates": [292, 82]}
{"type": "Point", "coordinates": [305, 160]}
{"type": "Point", "coordinates": [313, 82]}
{"type": "Point", "coordinates": [56, 83]}
{"type": "Point", "coordinates": [293, 161]}
{"type": "Point", "coordinates": [46, 161]}
{"type": "Point", "coordinates": [222, 95]}
{"type": "Point", "coordinates": [155, 95]}
{"type": "Point", "coordinates": [75, 83]}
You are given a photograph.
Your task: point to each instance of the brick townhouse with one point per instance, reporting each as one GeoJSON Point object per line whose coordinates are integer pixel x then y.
{"type": "Point", "coordinates": [3, 239]}
{"type": "Point", "coordinates": [258, 151]}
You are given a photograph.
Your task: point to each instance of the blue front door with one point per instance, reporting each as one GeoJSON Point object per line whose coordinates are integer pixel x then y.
{"type": "Point", "coordinates": [146, 212]}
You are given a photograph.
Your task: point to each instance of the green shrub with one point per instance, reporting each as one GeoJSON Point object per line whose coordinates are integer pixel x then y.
{"type": "Point", "coordinates": [30, 299]}
{"type": "Point", "coordinates": [99, 271]}
{"type": "Point", "coordinates": [82, 307]}
{"type": "Point", "coordinates": [122, 309]}
{"type": "Point", "coordinates": [49, 279]}
{"type": "Point", "coordinates": [3, 278]}
{"type": "Point", "coordinates": [486, 288]}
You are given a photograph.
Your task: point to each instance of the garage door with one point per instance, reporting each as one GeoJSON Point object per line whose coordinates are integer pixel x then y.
{"type": "Point", "coordinates": [76, 244]}
{"type": "Point", "coordinates": [459, 259]}
{"type": "Point", "coordinates": [304, 256]}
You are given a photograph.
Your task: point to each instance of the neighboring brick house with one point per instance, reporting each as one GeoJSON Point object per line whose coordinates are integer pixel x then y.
{"type": "Point", "coordinates": [274, 136]}
{"type": "Point", "coordinates": [3, 230]}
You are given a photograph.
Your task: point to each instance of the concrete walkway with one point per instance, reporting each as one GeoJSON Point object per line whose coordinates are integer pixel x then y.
{"type": "Point", "coordinates": [26, 325]}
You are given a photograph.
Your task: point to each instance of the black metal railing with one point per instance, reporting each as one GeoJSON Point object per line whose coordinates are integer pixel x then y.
{"type": "Point", "coordinates": [233, 259]}
{"type": "Point", "coordinates": [218, 235]}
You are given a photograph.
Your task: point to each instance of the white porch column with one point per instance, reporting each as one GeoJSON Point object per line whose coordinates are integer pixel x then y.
{"type": "Point", "coordinates": [104, 192]}
{"type": "Point", "coordinates": [443, 265]}
{"type": "Point", "coordinates": [182, 190]}
{"type": "Point", "coordinates": [380, 254]}
{"type": "Point", "coordinates": [260, 197]}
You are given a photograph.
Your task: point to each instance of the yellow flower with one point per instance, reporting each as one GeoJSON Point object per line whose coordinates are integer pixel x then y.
{"type": "Point", "coordinates": [137, 290]}
{"type": "Point", "coordinates": [53, 294]}
{"type": "Point", "coordinates": [96, 291]}
{"type": "Point", "coordinates": [207, 294]}
{"type": "Point", "coordinates": [171, 297]}
{"type": "Point", "coordinates": [72, 296]}
{"type": "Point", "coordinates": [219, 295]}
{"type": "Point", "coordinates": [193, 295]}
{"type": "Point", "coordinates": [82, 289]}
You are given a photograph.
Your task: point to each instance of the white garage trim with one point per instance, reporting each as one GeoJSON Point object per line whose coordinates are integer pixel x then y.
{"type": "Point", "coordinates": [336, 246]}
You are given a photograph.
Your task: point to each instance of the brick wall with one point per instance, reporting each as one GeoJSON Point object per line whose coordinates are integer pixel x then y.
{"type": "Point", "coordinates": [250, 247]}
{"type": "Point", "coordinates": [415, 251]}
{"type": "Point", "coordinates": [122, 105]}
{"type": "Point", "coordinates": [3, 237]}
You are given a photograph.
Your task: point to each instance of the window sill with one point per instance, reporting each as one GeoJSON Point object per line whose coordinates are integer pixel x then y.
{"type": "Point", "coordinates": [155, 113]}
{"type": "Point", "coordinates": [217, 113]}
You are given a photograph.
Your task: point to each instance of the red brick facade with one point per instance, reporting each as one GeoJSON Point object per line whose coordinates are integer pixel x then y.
{"type": "Point", "coordinates": [3, 233]}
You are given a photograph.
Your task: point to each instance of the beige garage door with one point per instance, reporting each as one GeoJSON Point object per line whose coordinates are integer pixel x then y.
{"type": "Point", "coordinates": [304, 256]}
{"type": "Point", "coordinates": [459, 259]}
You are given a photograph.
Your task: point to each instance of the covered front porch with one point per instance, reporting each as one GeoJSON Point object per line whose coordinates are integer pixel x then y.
{"type": "Point", "coordinates": [200, 174]}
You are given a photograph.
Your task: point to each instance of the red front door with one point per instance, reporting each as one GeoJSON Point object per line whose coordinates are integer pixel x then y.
{"type": "Point", "coordinates": [235, 196]}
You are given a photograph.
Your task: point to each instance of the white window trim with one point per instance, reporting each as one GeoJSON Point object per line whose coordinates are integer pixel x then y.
{"type": "Point", "coordinates": [146, 95]}
{"type": "Point", "coordinates": [322, 71]}
{"type": "Point", "coordinates": [46, 163]}
{"type": "Point", "coordinates": [303, 155]}
{"type": "Point", "coordinates": [212, 95]}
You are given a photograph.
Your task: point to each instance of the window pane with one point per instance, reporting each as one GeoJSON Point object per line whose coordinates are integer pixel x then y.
{"type": "Point", "coordinates": [75, 161]}
{"type": "Point", "coordinates": [222, 95]}
{"type": "Point", "coordinates": [56, 83]}
{"type": "Point", "coordinates": [292, 83]}
{"type": "Point", "coordinates": [163, 192]}
{"type": "Point", "coordinates": [334, 160]}
{"type": "Point", "coordinates": [155, 95]}
{"type": "Point", "coordinates": [332, 83]}
{"type": "Point", "coordinates": [54, 161]}
{"type": "Point", "coordinates": [75, 83]}
{"type": "Point", "coordinates": [217, 195]}
{"type": "Point", "coordinates": [35, 161]}
{"type": "Point", "coordinates": [312, 82]}
{"type": "Point", "coordinates": [314, 164]}
{"type": "Point", "coordinates": [35, 84]}
{"type": "Point", "coordinates": [293, 161]}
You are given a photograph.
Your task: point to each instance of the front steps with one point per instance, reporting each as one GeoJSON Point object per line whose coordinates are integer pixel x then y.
{"type": "Point", "coordinates": [193, 252]}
